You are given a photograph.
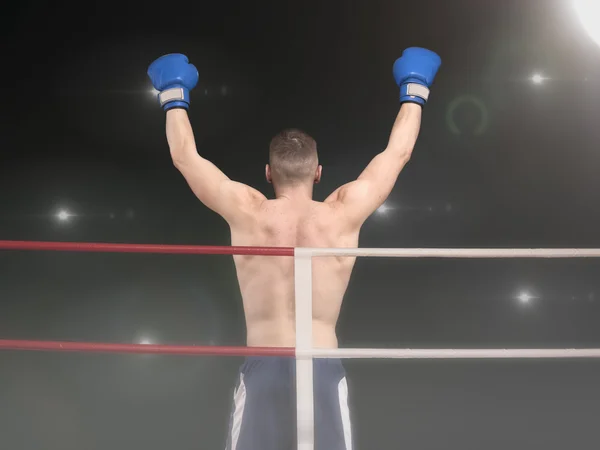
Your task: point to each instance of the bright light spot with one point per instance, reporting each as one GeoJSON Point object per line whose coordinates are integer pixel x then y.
{"type": "Point", "coordinates": [145, 341]}
{"type": "Point", "coordinates": [383, 209]}
{"type": "Point", "coordinates": [537, 78]}
{"type": "Point", "coordinates": [525, 297]}
{"type": "Point", "coordinates": [63, 215]}
{"type": "Point", "coordinates": [588, 12]}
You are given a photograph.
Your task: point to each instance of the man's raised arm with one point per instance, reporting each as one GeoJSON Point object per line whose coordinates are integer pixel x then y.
{"type": "Point", "coordinates": [173, 76]}
{"type": "Point", "coordinates": [414, 73]}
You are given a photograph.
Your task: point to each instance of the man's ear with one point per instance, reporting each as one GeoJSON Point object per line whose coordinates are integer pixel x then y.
{"type": "Point", "coordinates": [318, 174]}
{"type": "Point", "coordinates": [268, 174]}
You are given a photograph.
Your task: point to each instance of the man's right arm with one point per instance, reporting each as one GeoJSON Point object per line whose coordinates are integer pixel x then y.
{"type": "Point", "coordinates": [414, 73]}
{"type": "Point", "coordinates": [363, 196]}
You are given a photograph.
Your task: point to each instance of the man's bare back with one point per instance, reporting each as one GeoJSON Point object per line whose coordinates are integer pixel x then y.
{"type": "Point", "coordinates": [267, 283]}
{"type": "Point", "coordinates": [293, 219]}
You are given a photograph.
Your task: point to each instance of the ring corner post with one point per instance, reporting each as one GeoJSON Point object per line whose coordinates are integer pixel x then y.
{"type": "Point", "coordinates": [304, 359]}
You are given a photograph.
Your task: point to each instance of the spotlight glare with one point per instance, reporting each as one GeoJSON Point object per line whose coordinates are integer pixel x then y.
{"type": "Point", "coordinates": [63, 215]}
{"type": "Point", "coordinates": [537, 78]}
{"type": "Point", "coordinates": [525, 297]}
{"type": "Point", "coordinates": [588, 12]}
{"type": "Point", "coordinates": [383, 209]}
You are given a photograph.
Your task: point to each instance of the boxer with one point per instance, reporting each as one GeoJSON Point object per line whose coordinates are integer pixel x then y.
{"type": "Point", "coordinates": [263, 416]}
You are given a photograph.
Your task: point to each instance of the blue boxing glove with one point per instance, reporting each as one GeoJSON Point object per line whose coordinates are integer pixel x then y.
{"type": "Point", "coordinates": [173, 77]}
{"type": "Point", "coordinates": [414, 72]}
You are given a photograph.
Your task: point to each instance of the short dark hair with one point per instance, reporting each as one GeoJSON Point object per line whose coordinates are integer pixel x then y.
{"type": "Point", "coordinates": [292, 157]}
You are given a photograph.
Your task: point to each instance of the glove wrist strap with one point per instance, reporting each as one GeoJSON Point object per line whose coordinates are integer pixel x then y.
{"type": "Point", "coordinates": [414, 92]}
{"type": "Point", "coordinates": [176, 94]}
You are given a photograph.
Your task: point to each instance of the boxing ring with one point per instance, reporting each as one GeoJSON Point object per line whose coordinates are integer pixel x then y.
{"type": "Point", "coordinates": [303, 352]}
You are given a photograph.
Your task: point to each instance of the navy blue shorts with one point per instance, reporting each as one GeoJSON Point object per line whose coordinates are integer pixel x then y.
{"type": "Point", "coordinates": [264, 406]}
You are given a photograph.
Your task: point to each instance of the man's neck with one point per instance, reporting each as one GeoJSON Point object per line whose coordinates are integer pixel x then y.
{"type": "Point", "coordinates": [295, 193]}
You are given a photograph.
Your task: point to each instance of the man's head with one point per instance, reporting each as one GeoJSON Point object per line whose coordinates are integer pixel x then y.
{"type": "Point", "coordinates": [293, 159]}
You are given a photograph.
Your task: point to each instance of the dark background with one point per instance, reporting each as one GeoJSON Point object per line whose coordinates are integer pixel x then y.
{"type": "Point", "coordinates": [501, 162]}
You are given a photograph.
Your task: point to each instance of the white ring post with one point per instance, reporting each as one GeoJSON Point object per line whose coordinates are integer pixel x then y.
{"type": "Point", "coordinates": [304, 344]}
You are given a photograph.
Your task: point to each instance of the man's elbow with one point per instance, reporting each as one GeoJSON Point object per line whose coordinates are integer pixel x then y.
{"type": "Point", "coordinates": [401, 154]}
{"type": "Point", "coordinates": [405, 155]}
{"type": "Point", "coordinates": [178, 161]}
{"type": "Point", "coordinates": [182, 156]}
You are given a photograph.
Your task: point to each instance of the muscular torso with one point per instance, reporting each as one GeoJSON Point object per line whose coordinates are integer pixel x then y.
{"type": "Point", "coordinates": [267, 282]}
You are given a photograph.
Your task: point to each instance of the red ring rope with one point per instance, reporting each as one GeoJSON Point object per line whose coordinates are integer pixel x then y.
{"type": "Point", "coordinates": [101, 347]}
{"type": "Point", "coordinates": [146, 248]}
